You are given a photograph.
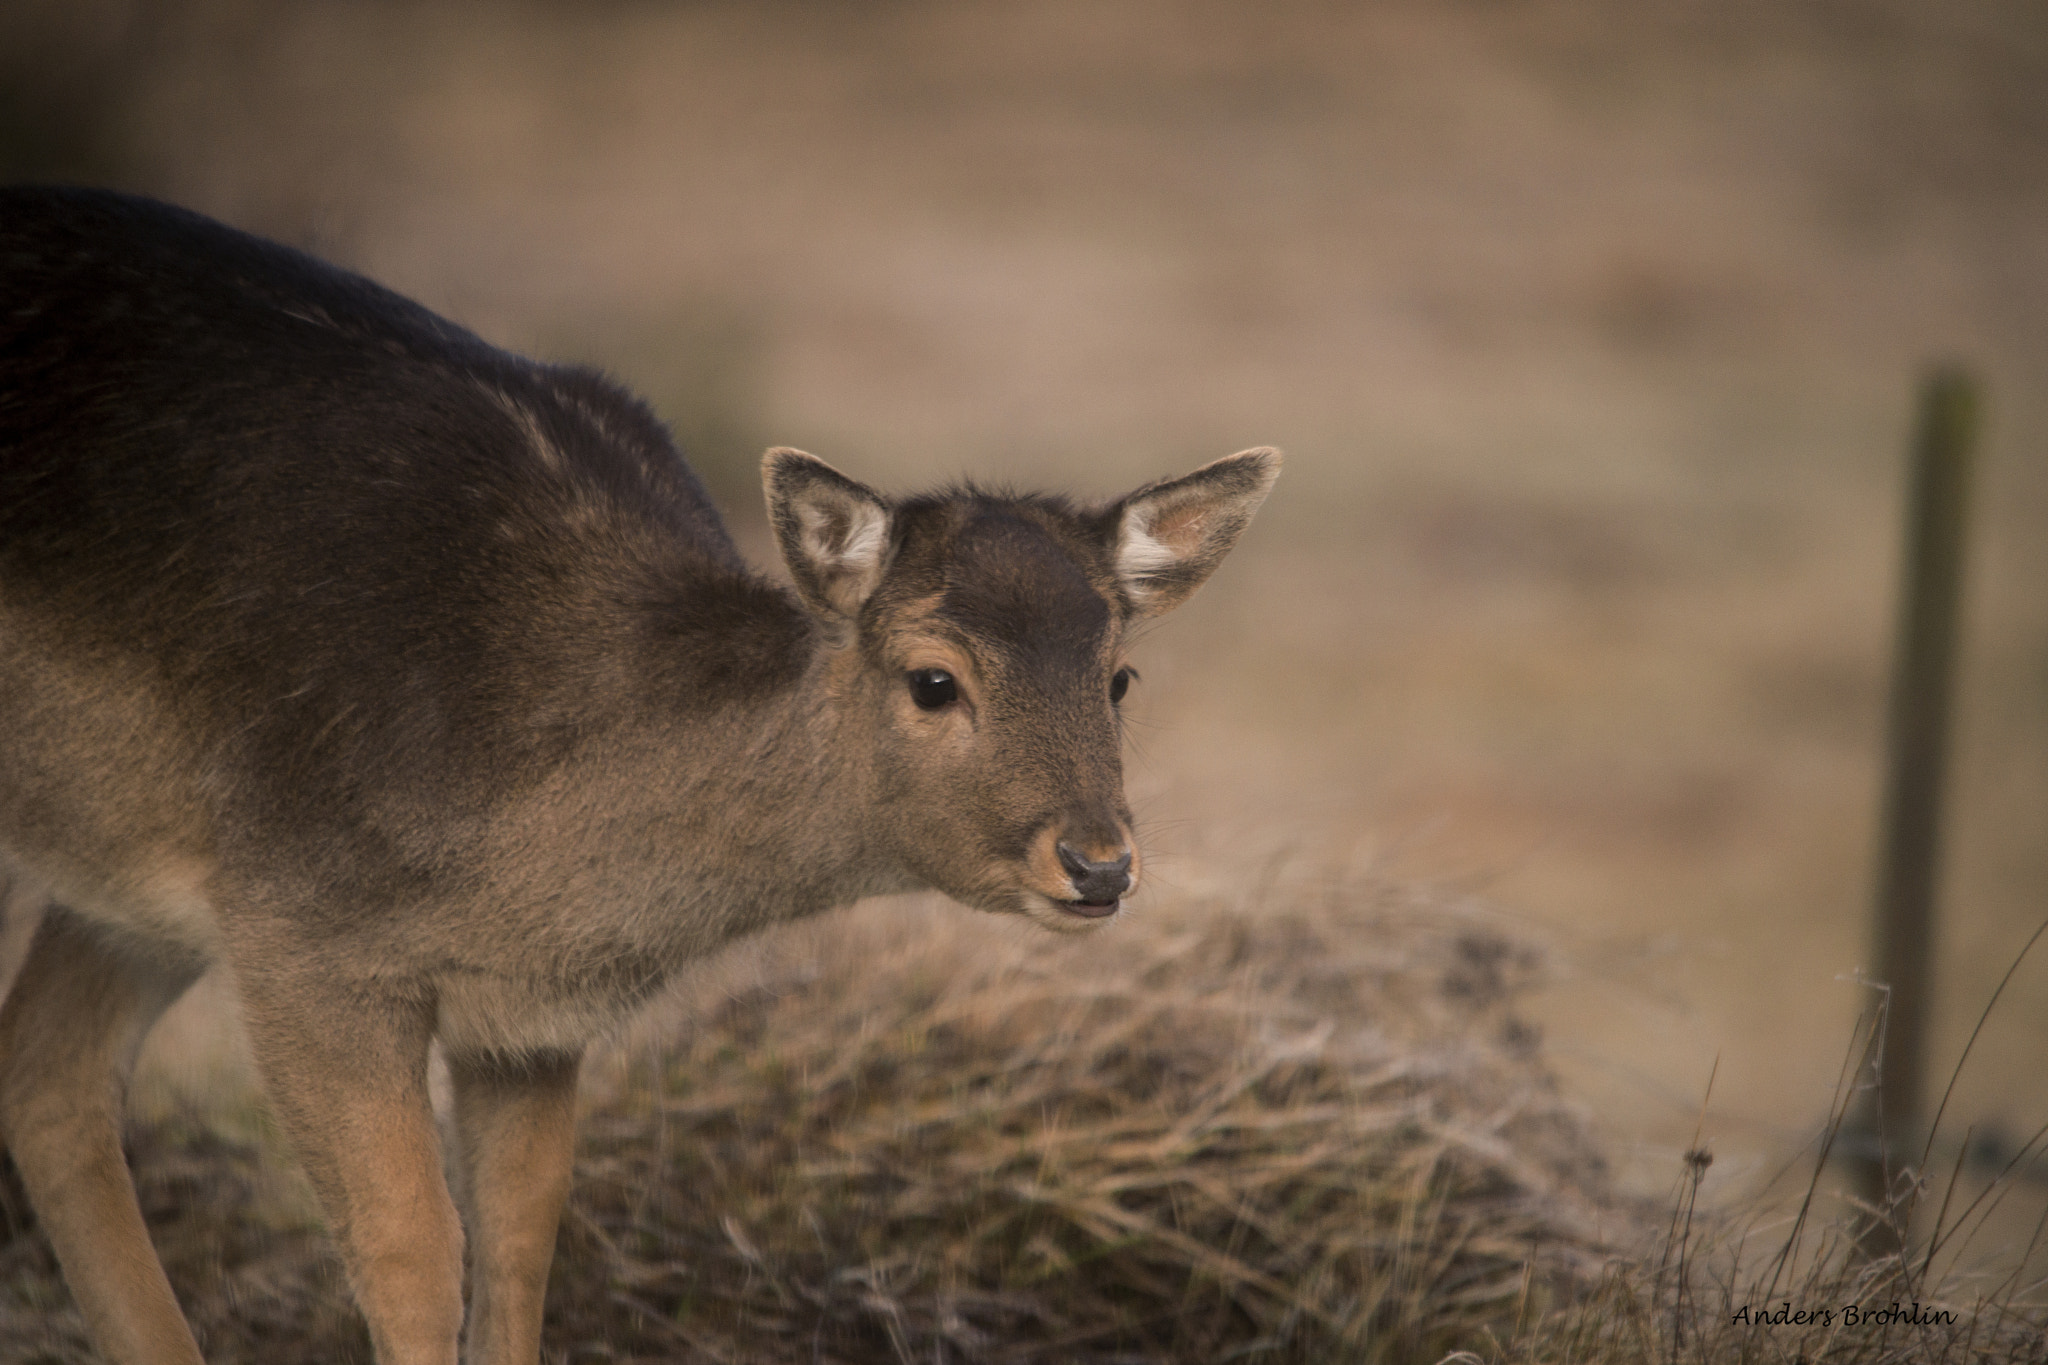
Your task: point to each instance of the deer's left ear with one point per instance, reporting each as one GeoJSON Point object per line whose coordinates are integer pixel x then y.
{"type": "Point", "coordinates": [1170, 536]}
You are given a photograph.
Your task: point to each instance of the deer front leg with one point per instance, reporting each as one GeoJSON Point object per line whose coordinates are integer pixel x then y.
{"type": "Point", "coordinates": [515, 1120]}
{"type": "Point", "coordinates": [68, 1038]}
{"type": "Point", "coordinates": [345, 1061]}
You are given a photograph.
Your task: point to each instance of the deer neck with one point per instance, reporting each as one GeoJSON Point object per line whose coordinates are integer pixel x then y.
{"type": "Point", "coordinates": [777, 826]}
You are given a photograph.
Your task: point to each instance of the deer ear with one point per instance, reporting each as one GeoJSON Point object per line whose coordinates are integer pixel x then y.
{"type": "Point", "coordinates": [1170, 536]}
{"type": "Point", "coordinates": [833, 532]}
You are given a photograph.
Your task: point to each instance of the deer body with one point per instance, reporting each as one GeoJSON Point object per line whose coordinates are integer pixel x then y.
{"type": "Point", "coordinates": [422, 686]}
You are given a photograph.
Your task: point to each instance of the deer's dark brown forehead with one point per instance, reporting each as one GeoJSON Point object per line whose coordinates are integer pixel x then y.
{"type": "Point", "coordinates": [1012, 582]}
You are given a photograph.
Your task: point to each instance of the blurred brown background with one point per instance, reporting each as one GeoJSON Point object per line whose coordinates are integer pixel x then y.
{"type": "Point", "coordinates": [1590, 330]}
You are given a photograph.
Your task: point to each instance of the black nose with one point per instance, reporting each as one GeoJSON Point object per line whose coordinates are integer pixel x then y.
{"type": "Point", "coordinates": [1095, 883]}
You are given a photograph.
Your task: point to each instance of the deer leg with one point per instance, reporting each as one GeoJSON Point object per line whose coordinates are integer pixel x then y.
{"type": "Point", "coordinates": [69, 1034]}
{"type": "Point", "coordinates": [515, 1120]}
{"type": "Point", "coordinates": [345, 1061]}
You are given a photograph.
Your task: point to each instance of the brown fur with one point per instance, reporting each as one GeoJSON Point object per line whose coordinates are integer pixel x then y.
{"type": "Point", "coordinates": [421, 686]}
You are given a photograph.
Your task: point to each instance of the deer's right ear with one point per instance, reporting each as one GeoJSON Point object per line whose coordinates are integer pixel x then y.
{"type": "Point", "coordinates": [833, 532]}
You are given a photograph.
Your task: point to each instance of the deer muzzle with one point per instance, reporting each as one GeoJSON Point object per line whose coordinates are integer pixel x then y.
{"type": "Point", "coordinates": [1099, 884]}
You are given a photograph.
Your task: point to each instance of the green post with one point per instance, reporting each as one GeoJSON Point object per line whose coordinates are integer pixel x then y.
{"type": "Point", "coordinates": [1916, 755]}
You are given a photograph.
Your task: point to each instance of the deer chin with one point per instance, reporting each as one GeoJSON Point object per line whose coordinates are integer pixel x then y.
{"type": "Point", "coordinates": [1068, 917]}
{"type": "Point", "coordinates": [999, 891]}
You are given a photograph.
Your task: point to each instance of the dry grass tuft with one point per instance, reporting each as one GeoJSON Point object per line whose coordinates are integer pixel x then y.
{"type": "Point", "coordinates": [1731, 1290]}
{"type": "Point", "coordinates": [1308, 1127]}
{"type": "Point", "coordinates": [1887, 1284]}
{"type": "Point", "coordinates": [1303, 1131]}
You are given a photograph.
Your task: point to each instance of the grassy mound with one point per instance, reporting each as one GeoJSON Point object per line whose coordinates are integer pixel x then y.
{"type": "Point", "coordinates": [1247, 1132]}
{"type": "Point", "coordinates": [1306, 1127]}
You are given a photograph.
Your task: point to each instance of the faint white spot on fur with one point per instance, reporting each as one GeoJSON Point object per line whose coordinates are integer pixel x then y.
{"type": "Point", "coordinates": [536, 439]}
{"type": "Point", "coordinates": [313, 313]}
{"type": "Point", "coordinates": [599, 423]}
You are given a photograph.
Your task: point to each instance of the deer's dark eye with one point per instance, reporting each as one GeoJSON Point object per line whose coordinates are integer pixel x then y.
{"type": "Point", "coordinates": [932, 688]}
{"type": "Point", "coordinates": [1120, 684]}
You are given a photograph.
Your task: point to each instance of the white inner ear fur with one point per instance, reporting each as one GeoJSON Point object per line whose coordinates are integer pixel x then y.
{"type": "Point", "coordinates": [845, 539]}
{"type": "Point", "coordinates": [1140, 554]}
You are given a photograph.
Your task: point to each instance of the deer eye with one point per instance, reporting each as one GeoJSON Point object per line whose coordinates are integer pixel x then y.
{"type": "Point", "coordinates": [1119, 684]}
{"type": "Point", "coordinates": [932, 688]}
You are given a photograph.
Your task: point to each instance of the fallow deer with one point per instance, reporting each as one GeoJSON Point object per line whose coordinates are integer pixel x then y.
{"type": "Point", "coordinates": [422, 687]}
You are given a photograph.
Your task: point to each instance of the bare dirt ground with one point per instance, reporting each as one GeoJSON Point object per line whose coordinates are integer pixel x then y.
{"type": "Point", "coordinates": [1590, 330]}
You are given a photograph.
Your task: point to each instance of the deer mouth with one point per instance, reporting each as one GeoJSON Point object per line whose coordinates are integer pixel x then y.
{"type": "Point", "coordinates": [1063, 915]}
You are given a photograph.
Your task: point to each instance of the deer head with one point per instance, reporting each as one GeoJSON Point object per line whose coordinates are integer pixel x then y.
{"type": "Point", "coordinates": [981, 642]}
